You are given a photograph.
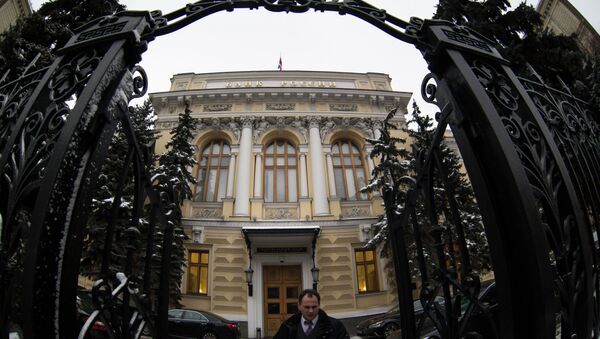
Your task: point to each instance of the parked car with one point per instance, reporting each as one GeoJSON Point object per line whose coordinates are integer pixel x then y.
{"type": "Point", "coordinates": [478, 321]}
{"type": "Point", "coordinates": [188, 323]}
{"type": "Point", "coordinates": [383, 325]}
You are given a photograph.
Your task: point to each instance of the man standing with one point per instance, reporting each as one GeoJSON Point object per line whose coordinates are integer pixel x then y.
{"type": "Point", "coordinates": [311, 322]}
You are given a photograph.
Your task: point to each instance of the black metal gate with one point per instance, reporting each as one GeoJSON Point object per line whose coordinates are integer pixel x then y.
{"type": "Point", "coordinates": [532, 153]}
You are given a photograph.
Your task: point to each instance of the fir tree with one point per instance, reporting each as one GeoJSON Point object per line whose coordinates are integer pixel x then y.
{"type": "Point", "coordinates": [47, 30]}
{"type": "Point", "coordinates": [115, 169]}
{"type": "Point", "coordinates": [176, 163]}
{"type": "Point", "coordinates": [397, 170]}
{"type": "Point", "coordinates": [519, 38]}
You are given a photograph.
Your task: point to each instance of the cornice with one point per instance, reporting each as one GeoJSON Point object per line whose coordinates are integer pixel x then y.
{"type": "Point", "coordinates": [217, 92]}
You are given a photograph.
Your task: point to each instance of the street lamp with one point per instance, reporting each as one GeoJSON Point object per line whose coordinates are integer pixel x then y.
{"type": "Point", "coordinates": [315, 275]}
{"type": "Point", "coordinates": [249, 273]}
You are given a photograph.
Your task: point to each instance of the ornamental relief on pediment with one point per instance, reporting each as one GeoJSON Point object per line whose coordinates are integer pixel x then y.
{"type": "Point", "coordinates": [281, 107]}
{"type": "Point", "coordinates": [343, 107]}
{"type": "Point", "coordinates": [217, 108]}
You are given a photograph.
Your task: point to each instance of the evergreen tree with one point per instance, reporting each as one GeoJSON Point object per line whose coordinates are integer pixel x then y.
{"type": "Point", "coordinates": [398, 164]}
{"type": "Point", "coordinates": [115, 169]}
{"type": "Point", "coordinates": [519, 37]}
{"type": "Point", "coordinates": [45, 31]}
{"type": "Point", "coordinates": [176, 164]}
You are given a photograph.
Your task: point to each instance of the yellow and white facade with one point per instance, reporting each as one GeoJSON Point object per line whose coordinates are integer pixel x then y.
{"type": "Point", "coordinates": [281, 159]}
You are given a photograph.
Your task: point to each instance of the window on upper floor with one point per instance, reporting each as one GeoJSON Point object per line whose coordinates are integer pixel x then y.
{"type": "Point", "coordinates": [349, 170]}
{"type": "Point", "coordinates": [366, 270]}
{"type": "Point", "coordinates": [281, 172]}
{"type": "Point", "coordinates": [213, 166]}
{"type": "Point", "coordinates": [197, 282]}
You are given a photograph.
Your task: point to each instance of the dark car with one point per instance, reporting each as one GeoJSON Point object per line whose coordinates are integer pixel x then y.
{"type": "Point", "coordinates": [478, 321]}
{"type": "Point", "coordinates": [383, 325]}
{"type": "Point", "coordinates": [188, 323]}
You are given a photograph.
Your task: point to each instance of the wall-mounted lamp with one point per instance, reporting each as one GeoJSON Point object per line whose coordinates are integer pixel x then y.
{"type": "Point", "coordinates": [315, 275]}
{"type": "Point", "coordinates": [249, 272]}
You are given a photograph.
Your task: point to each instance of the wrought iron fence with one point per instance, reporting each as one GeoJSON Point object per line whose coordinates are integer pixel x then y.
{"type": "Point", "coordinates": [531, 153]}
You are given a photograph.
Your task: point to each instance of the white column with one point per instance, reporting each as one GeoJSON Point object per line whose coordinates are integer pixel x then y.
{"type": "Point", "coordinates": [258, 175]}
{"type": "Point", "coordinates": [230, 176]}
{"type": "Point", "coordinates": [303, 177]}
{"type": "Point", "coordinates": [332, 192]}
{"type": "Point", "coordinates": [320, 203]}
{"type": "Point", "coordinates": [242, 193]}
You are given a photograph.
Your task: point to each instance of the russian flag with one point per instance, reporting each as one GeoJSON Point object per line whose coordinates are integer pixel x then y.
{"type": "Point", "coordinates": [280, 66]}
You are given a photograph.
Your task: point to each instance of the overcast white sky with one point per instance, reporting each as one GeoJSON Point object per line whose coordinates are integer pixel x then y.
{"type": "Point", "coordinates": [254, 40]}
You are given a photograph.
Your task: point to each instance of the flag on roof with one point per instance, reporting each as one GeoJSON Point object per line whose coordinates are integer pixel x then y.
{"type": "Point", "coordinates": [280, 66]}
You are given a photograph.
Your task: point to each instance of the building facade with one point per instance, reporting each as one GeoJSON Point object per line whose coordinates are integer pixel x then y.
{"type": "Point", "coordinates": [281, 160]}
{"type": "Point", "coordinates": [11, 10]}
{"type": "Point", "coordinates": [561, 17]}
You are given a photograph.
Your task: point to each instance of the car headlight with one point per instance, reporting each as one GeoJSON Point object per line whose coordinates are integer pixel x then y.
{"type": "Point", "coordinates": [376, 324]}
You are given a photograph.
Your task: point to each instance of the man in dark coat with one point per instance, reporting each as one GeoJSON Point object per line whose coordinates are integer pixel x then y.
{"type": "Point", "coordinates": [311, 322]}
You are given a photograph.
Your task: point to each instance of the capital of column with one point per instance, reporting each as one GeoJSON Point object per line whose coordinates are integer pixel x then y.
{"type": "Point", "coordinates": [247, 121]}
{"type": "Point", "coordinates": [313, 122]}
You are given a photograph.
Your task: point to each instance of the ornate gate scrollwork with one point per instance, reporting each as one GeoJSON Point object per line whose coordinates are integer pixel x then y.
{"type": "Point", "coordinates": [532, 154]}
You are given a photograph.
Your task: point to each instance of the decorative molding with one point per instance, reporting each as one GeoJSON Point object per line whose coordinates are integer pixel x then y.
{"type": "Point", "coordinates": [207, 212]}
{"type": "Point", "coordinates": [355, 211]}
{"type": "Point", "coordinates": [281, 213]}
{"type": "Point", "coordinates": [220, 124]}
{"type": "Point", "coordinates": [217, 108]}
{"type": "Point", "coordinates": [281, 107]}
{"type": "Point", "coordinates": [247, 121]}
{"type": "Point", "coordinates": [330, 124]}
{"type": "Point", "coordinates": [263, 124]}
{"type": "Point", "coordinates": [161, 125]}
{"type": "Point", "coordinates": [343, 107]}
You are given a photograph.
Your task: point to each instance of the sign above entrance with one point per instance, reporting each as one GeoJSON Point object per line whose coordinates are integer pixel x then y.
{"type": "Point", "coordinates": [249, 83]}
{"type": "Point", "coordinates": [281, 250]}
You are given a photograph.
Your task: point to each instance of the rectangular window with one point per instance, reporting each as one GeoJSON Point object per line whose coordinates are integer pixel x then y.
{"type": "Point", "coordinates": [197, 272]}
{"type": "Point", "coordinates": [366, 271]}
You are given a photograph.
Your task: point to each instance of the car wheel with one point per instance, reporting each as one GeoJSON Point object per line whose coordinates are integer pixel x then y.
{"type": "Point", "coordinates": [389, 329]}
{"type": "Point", "coordinates": [209, 335]}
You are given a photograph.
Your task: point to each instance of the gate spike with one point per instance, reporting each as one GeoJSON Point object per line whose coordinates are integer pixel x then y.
{"type": "Point", "coordinates": [31, 64]}
{"type": "Point", "coordinates": [4, 76]}
{"type": "Point", "coordinates": [534, 73]}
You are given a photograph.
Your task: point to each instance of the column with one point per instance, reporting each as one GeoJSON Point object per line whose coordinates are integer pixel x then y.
{"type": "Point", "coordinates": [303, 177]}
{"type": "Point", "coordinates": [320, 203]}
{"type": "Point", "coordinates": [230, 176]}
{"type": "Point", "coordinates": [258, 175]}
{"type": "Point", "coordinates": [332, 192]}
{"type": "Point", "coordinates": [242, 194]}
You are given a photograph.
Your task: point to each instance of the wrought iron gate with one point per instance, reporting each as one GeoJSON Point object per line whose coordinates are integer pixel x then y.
{"type": "Point", "coordinates": [531, 152]}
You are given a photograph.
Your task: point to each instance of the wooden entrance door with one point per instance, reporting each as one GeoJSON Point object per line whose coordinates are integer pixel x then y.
{"type": "Point", "coordinates": [282, 285]}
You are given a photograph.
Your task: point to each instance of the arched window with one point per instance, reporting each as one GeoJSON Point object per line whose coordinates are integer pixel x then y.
{"type": "Point", "coordinates": [281, 172]}
{"type": "Point", "coordinates": [349, 170]}
{"type": "Point", "coordinates": [212, 172]}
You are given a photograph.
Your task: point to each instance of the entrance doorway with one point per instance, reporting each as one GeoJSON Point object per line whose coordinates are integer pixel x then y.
{"type": "Point", "coordinates": [281, 287]}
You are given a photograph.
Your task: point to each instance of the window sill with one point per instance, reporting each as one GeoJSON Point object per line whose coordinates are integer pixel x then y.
{"type": "Point", "coordinates": [370, 294]}
{"type": "Point", "coordinates": [197, 296]}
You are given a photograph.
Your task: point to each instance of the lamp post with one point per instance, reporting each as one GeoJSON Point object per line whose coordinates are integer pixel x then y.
{"type": "Point", "coordinates": [249, 273]}
{"type": "Point", "coordinates": [315, 275]}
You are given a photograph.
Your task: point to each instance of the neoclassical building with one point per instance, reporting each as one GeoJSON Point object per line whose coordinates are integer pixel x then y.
{"type": "Point", "coordinates": [281, 160]}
